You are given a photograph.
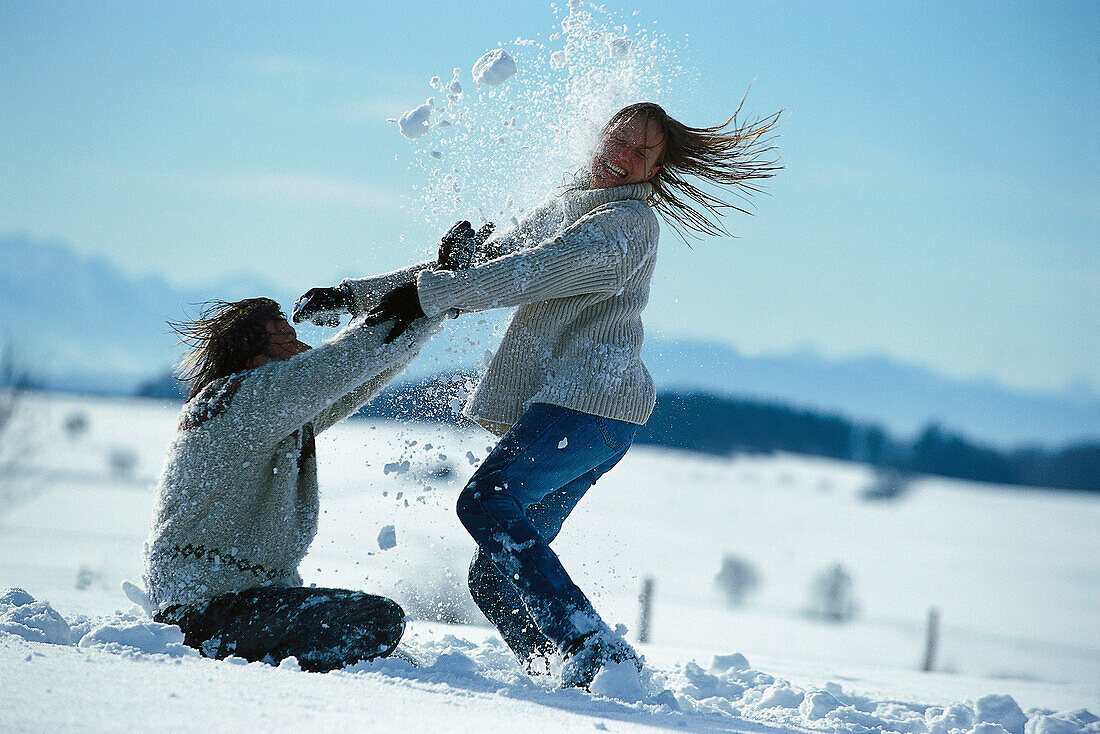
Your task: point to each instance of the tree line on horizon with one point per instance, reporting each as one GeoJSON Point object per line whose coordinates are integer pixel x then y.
{"type": "Point", "coordinates": [726, 426]}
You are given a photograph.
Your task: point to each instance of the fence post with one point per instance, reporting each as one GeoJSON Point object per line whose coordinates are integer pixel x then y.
{"type": "Point", "coordinates": [932, 640]}
{"type": "Point", "coordinates": [645, 600]}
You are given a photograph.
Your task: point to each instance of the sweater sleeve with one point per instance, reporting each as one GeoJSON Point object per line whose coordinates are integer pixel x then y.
{"type": "Point", "coordinates": [357, 398]}
{"type": "Point", "coordinates": [369, 291]}
{"type": "Point", "coordinates": [592, 256]}
{"type": "Point", "coordinates": [531, 230]}
{"type": "Point", "coordinates": [278, 398]}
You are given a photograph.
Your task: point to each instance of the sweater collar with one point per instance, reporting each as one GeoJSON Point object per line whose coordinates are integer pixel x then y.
{"type": "Point", "coordinates": [579, 202]}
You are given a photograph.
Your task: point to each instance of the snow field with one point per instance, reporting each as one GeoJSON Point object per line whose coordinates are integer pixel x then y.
{"type": "Point", "coordinates": [1012, 571]}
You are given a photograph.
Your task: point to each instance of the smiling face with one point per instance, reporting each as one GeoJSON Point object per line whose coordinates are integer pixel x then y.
{"type": "Point", "coordinates": [627, 153]}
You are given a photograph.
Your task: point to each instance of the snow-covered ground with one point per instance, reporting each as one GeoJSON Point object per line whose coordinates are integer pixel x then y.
{"type": "Point", "coordinates": [1014, 574]}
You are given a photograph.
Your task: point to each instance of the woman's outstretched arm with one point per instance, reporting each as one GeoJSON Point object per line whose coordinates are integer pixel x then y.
{"type": "Point", "coordinates": [592, 256]}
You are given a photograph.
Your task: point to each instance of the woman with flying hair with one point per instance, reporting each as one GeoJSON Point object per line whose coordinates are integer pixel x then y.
{"type": "Point", "coordinates": [567, 390]}
{"type": "Point", "coordinates": [237, 499]}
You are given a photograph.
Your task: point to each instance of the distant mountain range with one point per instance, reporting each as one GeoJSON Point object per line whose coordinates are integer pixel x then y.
{"type": "Point", "coordinates": [79, 323]}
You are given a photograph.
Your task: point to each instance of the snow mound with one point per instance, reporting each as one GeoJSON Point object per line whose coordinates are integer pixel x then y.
{"type": "Point", "coordinates": [729, 691]}
{"type": "Point", "coordinates": [1001, 710]}
{"type": "Point", "coordinates": [620, 681]}
{"type": "Point", "coordinates": [36, 621]}
{"type": "Point", "coordinates": [1074, 722]}
{"type": "Point", "coordinates": [151, 638]}
{"type": "Point", "coordinates": [494, 68]}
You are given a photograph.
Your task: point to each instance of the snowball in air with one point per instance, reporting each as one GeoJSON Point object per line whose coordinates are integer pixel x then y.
{"type": "Point", "coordinates": [414, 123]}
{"type": "Point", "coordinates": [387, 538]}
{"type": "Point", "coordinates": [494, 67]}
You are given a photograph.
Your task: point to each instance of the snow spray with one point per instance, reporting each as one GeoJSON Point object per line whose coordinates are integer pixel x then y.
{"type": "Point", "coordinates": [494, 144]}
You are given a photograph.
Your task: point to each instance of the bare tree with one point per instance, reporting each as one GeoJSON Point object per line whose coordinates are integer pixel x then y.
{"type": "Point", "coordinates": [831, 595]}
{"type": "Point", "coordinates": [736, 580]}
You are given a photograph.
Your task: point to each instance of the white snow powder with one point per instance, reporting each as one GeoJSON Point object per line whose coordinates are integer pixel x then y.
{"type": "Point", "coordinates": [494, 67]}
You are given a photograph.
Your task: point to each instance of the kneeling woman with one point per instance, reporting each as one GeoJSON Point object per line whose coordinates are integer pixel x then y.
{"type": "Point", "coordinates": [567, 389]}
{"type": "Point", "coordinates": [237, 500]}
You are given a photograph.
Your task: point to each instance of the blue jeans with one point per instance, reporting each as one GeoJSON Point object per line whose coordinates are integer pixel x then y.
{"type": "Point", "coordinates": [515, 504]}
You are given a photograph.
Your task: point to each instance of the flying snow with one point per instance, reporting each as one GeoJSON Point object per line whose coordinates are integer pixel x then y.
{"type": "Point", "coordinates": [414, 123]}
{"type": "Point", "coordinates": [496, 149]}
{"type": "Point", "coordinates": [494, 68]}
{"type": "Point", "coordinates": [387, 538]}
{"type": "Point", "coordinates": [619, 46]}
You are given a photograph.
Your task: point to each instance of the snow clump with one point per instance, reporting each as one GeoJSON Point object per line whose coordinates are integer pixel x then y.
{"type": "Point", "coordinates": [414, 123]}
{"type": "Point", "coordinates": [494, 67]}
{"type": "Point", "coordinates": [387, 538]}
{"type": "Point", "coordinates": [455, 87]}
{"type": "Point", "coordinates": [35, 621]}
{"type": "Point", "coordinates": [1002, 710]}
{"type": "Point", "coordinates": [151, 638]}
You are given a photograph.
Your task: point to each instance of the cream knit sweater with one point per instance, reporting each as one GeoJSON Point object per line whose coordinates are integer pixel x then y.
{"type": "Point", "coordinates": [579, 269]}
{"type": "Point", "coordinates": [237, 499]}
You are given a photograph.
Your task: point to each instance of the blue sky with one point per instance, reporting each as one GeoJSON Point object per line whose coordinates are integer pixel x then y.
{"type": "Point", "coordinates": [940, 203]}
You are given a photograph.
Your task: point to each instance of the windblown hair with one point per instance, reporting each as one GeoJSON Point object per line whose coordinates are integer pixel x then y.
{"type": "Point", "coordinates": [223, 339]}
{"type": "Point", "coordinates": [734, 156]}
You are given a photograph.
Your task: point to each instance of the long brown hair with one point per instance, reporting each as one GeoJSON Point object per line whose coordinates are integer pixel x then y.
{"type": "Point", "coordinates": [735, 156]}
{"type": "Point", "coordinates": [223, 339]}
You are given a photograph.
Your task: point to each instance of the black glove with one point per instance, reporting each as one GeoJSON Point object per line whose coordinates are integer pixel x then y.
{"type": "Point", "coordinates": [402, 304]}
{"type": "Point", "coordinates": [322, 306]}
{"type": "Point", "coordinates": [459, 246]}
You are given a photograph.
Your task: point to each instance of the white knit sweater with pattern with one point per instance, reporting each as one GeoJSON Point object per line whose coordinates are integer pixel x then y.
{"type": "Point", "coordinates": [237, 499]}
{"type": "Point", "coordinates": [579, 269]}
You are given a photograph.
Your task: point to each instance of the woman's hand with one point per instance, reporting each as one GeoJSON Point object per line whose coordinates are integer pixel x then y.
{"type": "Point", "coordinates": [322, 306]}
{"type": "Point", "coordinates": [402, 304]}
{"type": "Point", "coordinates": [459, 246]}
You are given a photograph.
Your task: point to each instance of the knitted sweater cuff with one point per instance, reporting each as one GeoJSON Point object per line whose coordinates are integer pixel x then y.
{"type": "Point", "coordinates": [436, 290]}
